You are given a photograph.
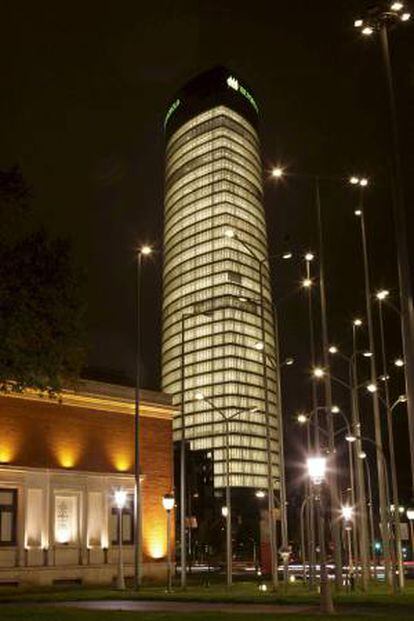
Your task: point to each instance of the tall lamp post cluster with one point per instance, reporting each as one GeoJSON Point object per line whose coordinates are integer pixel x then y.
{"type": "Point", "coordinates": [322, 499]}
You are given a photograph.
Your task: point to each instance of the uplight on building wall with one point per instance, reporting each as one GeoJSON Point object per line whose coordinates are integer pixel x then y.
{"type": "Point", "coordinates": [213, 201]}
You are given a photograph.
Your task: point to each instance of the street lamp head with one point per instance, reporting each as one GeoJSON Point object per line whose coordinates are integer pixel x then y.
{"type": "Point", "coordinates": [309, 256]}
{"type": "Point", "coordinates": [333, 349]}
{"type": "Point", "coordinates": [230, 233]}
{"type": "Point", "coordinates": [399, 362]}
{"type": "Point", "coordinates": [382, 294]}
{"type": "Point", "coordinates": [335, 409]}
{"type": "Point", "coordinates": [357, 323]}
{"type": "Point", "coordinates": [224, 511]}
{"type": "Point", "coordinates": [354, 180]}
{"type": "Point", "coordinates": [145, 250]}
{"type": "Point", "coordinates": [396, 6]}
{"type": "Point", "coordinates": [362, 455]}
{"type": "Point", "coordinates": [289, 361]}
{"type": "Point", "coordinates": [401, 509]}
{"type": "Point", "coordinates": [402, 398]}
{"type": "Point", "coordinates": [372, 388]}
{"type": "Point", "coordinates": [367, 31]}
{"type": "Point", "coordinates": [277, 172]}
{"type": "Point", "coordinates": [307, 283]}
{"type": "Point", "coordinates": [347, 513]}
{"type": "Point", "coordinates": [316, 469]}
{"type": "Point", "coordinates": [405, 17]}
{"type": "Point", "coordinates": [168, 501]}
{"type": "Point", "coordinates": [350, 438]}
{"type": "Point", "coordinates": [363, 182]}
{"type": "Point", "coordinates": [358, 23]}
{"type": "Point", "coordinates": [358, 212]}
{"type": "Point", "coordinates": [199, 396]}
{"type": "Point", "coordinates": [287, 255]}
{"type": "Point", "coordinates": [302, 419]}
{"type": "Point", "coordinates": [367, 354]}
{"type": "Point", "coordinates": [260, 493]}
{"type": "Point", "coordinates": [120, 498]}
{"type": "Point", "coordinates": [318, 372]}
{"type": "Point", "coordinates": [410, 514]}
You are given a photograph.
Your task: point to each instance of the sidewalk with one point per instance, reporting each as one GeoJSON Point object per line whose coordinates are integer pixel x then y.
{"type": "Point", "coordinates": [164, 606]}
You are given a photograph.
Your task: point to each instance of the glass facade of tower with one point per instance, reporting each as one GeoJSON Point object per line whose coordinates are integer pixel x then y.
{"type": "Point", "coordinates": [211, 294]}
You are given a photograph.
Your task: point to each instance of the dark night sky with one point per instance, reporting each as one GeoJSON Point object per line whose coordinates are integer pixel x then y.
{"type": "Point", "coordinates": [85, 88]}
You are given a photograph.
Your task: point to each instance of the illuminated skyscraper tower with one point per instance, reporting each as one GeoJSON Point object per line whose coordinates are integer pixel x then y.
{"type": "Point", "coordinates": [211, 284]}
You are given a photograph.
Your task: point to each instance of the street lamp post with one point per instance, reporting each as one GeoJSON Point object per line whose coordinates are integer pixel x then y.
{"type": "Point", "coordinates": [183, 499]}
{"type": "Point", "coordinates": [144, 251]}
{"type": "Point", "coordinates": [359, 212]}
{"type": "Point", "coordinates": [231, 234]}
{"type": "Point", "coordinates": [410, 515]}
{"type": "Point", "coordinates": [380, 19]}
{"type": "Point", "coordinates": [302, 538]}
{"type": "Point", "coordinates": [360, 487]}
{"type": "Point", "coordinates": [317, 471]}
{"type": "Point", "coordinates": [168, 504]}
{"type": "Point", "coordinates": [309, 257]}
{"type": "Point", "coordinates": [386, 516]}
{"type": "Point", "coordinates": [227, 513]}
{"type": "Point", "coordinates": [333, 483]}
{"type": "Point", "coordinates": [381, 295]}
{"type": "Point", "coordinates": [363, 457]}
{"type": "Point", "coordinates": [347, 515]}
{"type": "Point", "coordinates": [360, 530]}
{"type": "Point", "coordinates": [120, 500]}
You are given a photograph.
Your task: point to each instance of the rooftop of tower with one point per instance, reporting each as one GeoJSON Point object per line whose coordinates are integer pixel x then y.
{"type": "Point", "coordinates": [214, 87]}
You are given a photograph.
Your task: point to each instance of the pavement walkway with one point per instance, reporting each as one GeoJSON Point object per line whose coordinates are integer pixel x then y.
{"type": "Point", "coordinates": [185, 606]}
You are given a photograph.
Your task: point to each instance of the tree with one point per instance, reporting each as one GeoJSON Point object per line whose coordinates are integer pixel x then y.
{"type": "Point", "coordinates": [41, 305]}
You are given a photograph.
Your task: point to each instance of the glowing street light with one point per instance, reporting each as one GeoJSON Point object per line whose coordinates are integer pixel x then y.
{"type": "Point", "coordinates": [350, 438]}
{"type": "Point", "coordinates": [307, 283]}
{"type": "Point", "coordinates": [399, 362]}
{"type": "Point", "coordinates": [302, 419]}
{"type": "Point", "coordinates": [333, 349]}
{"type": "Point", "coordinates": [347, 513]}
{"type": "Point", "coordinates": [168, 504]}
{"type": "Point", "coordinates": [372, 388]}
{"type": "Point", "coordinates": [145, 250]}
{"type": "Point", "coordinates": [287, 255]}
{"type": "Point", "coordinates": [397, 6]}
{"type": "Point", "coordinates": [318, 372]}
{"type": "Point", "coordinates": [260, 493]}
{"type": "Point", "coordinates": [316, 469]}
{"type": "Point", "coordinates": [309, 256]}
{"type": "Point", "coordinates": [277, 172]}
{"type": "Point", "coordinates": [367, 31]}
{"type": "Point", "coordinates": [357, 323]}
{"type": "Point", "coordinates": [120, 498]}
{"type": "Point", "coordinates": [382, 294]}
{"type": "Point", "coordinates": [335, 409]}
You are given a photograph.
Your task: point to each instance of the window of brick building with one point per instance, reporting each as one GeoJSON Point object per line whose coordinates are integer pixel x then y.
{"type": "Point", "coordinates": [8, 517]}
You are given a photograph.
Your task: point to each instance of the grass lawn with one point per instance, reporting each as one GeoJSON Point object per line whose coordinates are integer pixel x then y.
{"type": "Point", "coordinates": [379, 604]}
{"type": "Point", "coordinates": [239, 592]}
{"type": "Point", "coordinates": [40, 613]}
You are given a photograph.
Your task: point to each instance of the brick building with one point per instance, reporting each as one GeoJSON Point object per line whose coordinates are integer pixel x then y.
{"type": "Point", "coordinates": [60, 464]}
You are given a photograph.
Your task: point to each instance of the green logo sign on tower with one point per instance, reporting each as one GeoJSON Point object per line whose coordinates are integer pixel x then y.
{"type": "Point", "coordinates": [233, 83]}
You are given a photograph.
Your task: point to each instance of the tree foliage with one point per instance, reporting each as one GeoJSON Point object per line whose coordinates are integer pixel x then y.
{"type": "Point", "coordinates": [41, 306]}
